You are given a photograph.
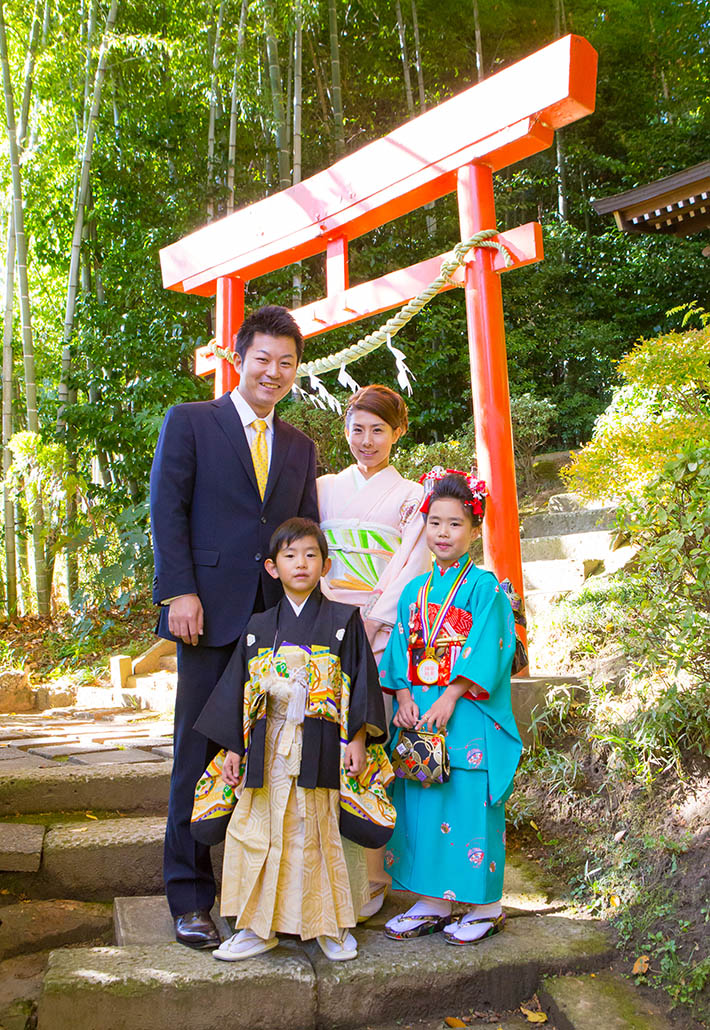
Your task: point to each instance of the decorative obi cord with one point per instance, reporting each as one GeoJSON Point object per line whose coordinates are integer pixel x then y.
{"type": "Point", "coordinates": [286, 687]}
{"type": "Point", "coordinates": [360, 552]}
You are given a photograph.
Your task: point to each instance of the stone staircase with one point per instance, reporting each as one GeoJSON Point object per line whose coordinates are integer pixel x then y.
{"type": "Point", "coordinates": [563, 547]}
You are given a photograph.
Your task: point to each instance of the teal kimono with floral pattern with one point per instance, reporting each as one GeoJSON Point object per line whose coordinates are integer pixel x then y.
{"type": "Point", "coordinates": [449, 839]}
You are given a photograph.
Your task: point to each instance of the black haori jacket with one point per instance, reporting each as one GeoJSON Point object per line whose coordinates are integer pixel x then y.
{"type": "Point", "coordinates": [341, 663]}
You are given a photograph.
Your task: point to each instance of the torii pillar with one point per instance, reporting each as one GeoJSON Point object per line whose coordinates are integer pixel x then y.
{"type": "Point", "coordinates": [456, 146]}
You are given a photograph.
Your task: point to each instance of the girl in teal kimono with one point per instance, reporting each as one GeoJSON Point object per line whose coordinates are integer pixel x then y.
{"type": "Point", "coordinates": [448, 663]}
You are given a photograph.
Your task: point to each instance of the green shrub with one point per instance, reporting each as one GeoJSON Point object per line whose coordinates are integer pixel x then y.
{"type": "Point", "coordinates": [531, 418]}
{"type": "Point", "coordinates": [661, 404]}
{"type": "Point", "coordinates": [325, 428]}
{"type": "Point", "coordinates": [670, 521]}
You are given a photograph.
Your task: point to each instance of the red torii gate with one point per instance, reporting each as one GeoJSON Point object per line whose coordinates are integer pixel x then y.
{"type": "Point", "coordinates": [455, 146]}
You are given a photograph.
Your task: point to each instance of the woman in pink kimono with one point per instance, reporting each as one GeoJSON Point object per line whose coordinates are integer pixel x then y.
{"type": "Point", "coordinates": [370, 516]}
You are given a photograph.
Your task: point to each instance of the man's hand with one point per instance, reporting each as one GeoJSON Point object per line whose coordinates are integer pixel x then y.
{"type": "Point", "coordinates": [407, 711]}
{"type": "Point", "coordinates": [231, 768]}
{"type": "Point", "coordinates": [355, 757]}
{"type": "Point", "coordinates": [186, 618]}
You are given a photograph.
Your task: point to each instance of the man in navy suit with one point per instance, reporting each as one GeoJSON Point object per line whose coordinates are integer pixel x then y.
{"type": "Point", "coordinates": [211, 530]}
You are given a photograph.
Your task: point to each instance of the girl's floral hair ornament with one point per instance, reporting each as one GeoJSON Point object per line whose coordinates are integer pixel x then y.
{"type": "Point", "coordinates": [476, 486]}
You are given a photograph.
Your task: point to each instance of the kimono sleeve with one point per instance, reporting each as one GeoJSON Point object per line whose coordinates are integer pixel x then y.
{"type": "Point", "coordinates": [357, 661]}
{"type": "Point", "coordinates": [411, 559]}
{"type": "Point", "coordinates": [487, 654]}
{"type": "Point", "coordinates": [394, 664]}
{"type": "Point", "coordinates": [222, 718]}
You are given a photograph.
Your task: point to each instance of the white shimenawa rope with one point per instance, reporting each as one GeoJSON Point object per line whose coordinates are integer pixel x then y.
{"type": "Point", "coordinates": [372, 341]}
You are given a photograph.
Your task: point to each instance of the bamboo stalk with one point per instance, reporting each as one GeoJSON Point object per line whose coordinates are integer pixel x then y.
{"type": "Point", "coordinates": [236, 79]}
{"type": "Point", "coordinates": [336, 93]}
{"type": "Point", "coordinates": [277, 103]}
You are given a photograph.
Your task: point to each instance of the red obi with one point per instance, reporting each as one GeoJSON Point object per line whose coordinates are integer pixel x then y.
{"type": "Point", "coordinates": [447, 646]}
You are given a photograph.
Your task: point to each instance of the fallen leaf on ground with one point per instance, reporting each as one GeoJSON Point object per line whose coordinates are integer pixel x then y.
{"type": "Point", "coordinates": [454, 1021]}
{"type": "Point", "coordinates": [534, 825]}
{"type": "Point", "coordinates": [533, 1017]}
{"type": "Point", "coordinates": [90, 815]}
{"type": "Point", "coordinates": [615, 900]}
{"type": "Point", "coordinates": [641, 964]}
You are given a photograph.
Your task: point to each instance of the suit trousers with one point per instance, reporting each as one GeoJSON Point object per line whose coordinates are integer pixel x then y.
{"type": "Point", "coordinates": [187, 867]}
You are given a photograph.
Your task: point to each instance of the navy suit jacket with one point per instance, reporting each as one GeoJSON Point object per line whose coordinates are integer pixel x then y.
{"type": "Point", "coordinates": [211, 529]}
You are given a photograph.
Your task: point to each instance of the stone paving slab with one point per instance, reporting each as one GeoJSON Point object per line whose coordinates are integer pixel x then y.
{"type": "Point", "coordinates": [147, 920]}
{"type": "Point", "coordinates": [40, 925]}
{"type": "Point", "coordinates": [20, 765]}
{"type": "Point", "coordinates": [21, 847]}
{"type": "Point", "coordinates": [174, 989]}
{"type": "Point", "coordinates": [577, 1002]}
{"type": "Point", "coordinates": [126, 757]}
{"type": "Point", "coordinates": [164, 752]}
{"type": "Point", "coordinates": [10, 751]}
{"type": "Point", "coordinates": [66, 787]}
{"type": "Point", "coordinates": [46, 740]}
{"type": "Point", "coordinates": [169, 987]}
{"type": "Point", "coordinates": [143, 743]}
{"type": "Point", "coordinates": [64, 750]}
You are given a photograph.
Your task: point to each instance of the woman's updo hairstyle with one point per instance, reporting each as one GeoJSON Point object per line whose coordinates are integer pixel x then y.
{"type": "Point", "coordinates": [381, 401]}
{"type": "Point", "coordinates": [455, 487]}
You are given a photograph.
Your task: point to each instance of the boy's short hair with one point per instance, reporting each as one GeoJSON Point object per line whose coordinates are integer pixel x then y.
{"type": "Point", "coordinates": [296, 529]}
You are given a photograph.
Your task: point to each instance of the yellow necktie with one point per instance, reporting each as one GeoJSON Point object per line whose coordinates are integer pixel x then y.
{"type": "Point", "coordinates": [260, 455]}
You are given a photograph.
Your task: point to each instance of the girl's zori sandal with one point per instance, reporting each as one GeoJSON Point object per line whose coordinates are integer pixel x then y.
{"type": "Point", "coordinates": [496, 925]}
{"type": "Point", "coordinates": [425, 924]}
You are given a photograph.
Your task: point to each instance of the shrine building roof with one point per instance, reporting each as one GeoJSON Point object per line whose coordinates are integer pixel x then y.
{"type": "Point", "coordinates": [678, 205]}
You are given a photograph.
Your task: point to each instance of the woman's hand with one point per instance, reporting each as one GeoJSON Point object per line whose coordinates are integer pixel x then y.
{"type": "Point", "coordinates": [231, 769]}
{"type": "Point", "coordinates": [407, 710]}
{"type": "Point", "coordinates": [438, 714]}
{"type": "Point", "coordinates": [355, 757]}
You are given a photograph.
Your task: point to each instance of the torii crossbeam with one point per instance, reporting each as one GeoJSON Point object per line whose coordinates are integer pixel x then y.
{"type": "Point", "coordinates": [455, 146]}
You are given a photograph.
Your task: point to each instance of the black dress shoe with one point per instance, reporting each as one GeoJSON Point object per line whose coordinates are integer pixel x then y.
{"type": "Point", "coordinates": [196, 930]}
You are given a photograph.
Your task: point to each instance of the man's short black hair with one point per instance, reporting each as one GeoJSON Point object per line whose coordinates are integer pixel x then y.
{"type": "Point", "coordinates": [296, 529]}
{"type": "Point", "coordinates": [272, 320]}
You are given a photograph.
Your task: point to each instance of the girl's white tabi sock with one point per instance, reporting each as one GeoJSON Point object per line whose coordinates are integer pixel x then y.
{"type": "Point", "coordinates": [467, 929]}
{"type": "Point", "coordinates": [419, 910]}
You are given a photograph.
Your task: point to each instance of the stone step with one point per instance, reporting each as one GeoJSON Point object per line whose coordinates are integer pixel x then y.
{"type": "Point", "coordinates": [147, 920]}
{"type": "Point", "coordinates": [530, 692]}
{"type": "Point", "coordinates": [153, 692]}
{"type": "Point", "coordinates": [578, 1002]}
{"type": "Point", "coordinates": [537, 602]}
{"type": "Point", "coordinates": [559, 575]}
{"type": "Point", "coordinates": [141, 787]}
{"type": "Point", "coordinates": [170, 988]}
{"type": "Point", "coordinates": [573, 545]}
{"type": "Point", "coordinates": [40, 925]}
{"type": "Point", "coordinates": [562, 523]}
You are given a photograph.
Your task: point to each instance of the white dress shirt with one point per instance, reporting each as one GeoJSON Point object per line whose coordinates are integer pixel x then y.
{"type": "Point", "coordinates": [248, 417]}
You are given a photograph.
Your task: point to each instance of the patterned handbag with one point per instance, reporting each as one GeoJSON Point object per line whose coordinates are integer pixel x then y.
{"type": "Point", "coordinates": [213, 805]}
{"type": "Point", "coordinates": [422, 756]}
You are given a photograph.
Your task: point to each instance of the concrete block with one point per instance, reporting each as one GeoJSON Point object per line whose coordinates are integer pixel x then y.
{"type": "Point", "coordinates": [120, 667]}
{"type": "Point", "coordinates": [41, 925]}
{"type": "Point", "coordinates": [21, 847]}
{"type": "Point", "coordinates": [152, 659]}
{"type": "Point", "coordinates": [98, 698]}
{"type": "Point", "coordinates": [127, 757]}
{"type": "Point", "coordinates": [169, 987]}
{"type": "Point", "coordinates": [578, 1002]}
{"type": "Point", "coordinates": [147, 920]}
{"type": "Point", "coordinates": [391, 980]}
{"type": "Point", "coordinates": [66, 787]}
{"type": "Point", "coordinates": [20, 985]}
